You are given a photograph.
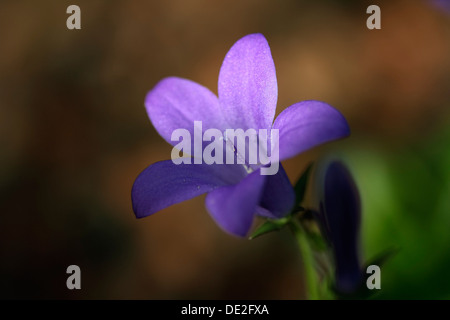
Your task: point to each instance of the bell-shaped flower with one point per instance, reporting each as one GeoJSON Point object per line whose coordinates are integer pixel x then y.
{"type": "Point", "coordinates": [247, 98]}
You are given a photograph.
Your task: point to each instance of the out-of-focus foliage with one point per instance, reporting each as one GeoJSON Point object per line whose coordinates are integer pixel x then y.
{"type": "Point", "coordinates": [406, 205]}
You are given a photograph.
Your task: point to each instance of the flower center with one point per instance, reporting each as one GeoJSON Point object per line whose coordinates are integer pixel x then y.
{"type": "Point", "coordinates": [239, 156]}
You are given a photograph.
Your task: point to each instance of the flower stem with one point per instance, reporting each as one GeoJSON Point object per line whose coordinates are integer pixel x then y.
{"type": "Point", "coordinates": [307, 258]}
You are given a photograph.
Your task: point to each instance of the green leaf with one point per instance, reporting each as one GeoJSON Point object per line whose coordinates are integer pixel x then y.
{"type": "Point", "coordinates": [317, 241]}
{"type": "Point", "coordinates": [269, 226]}
{"type": "Point", "coordinates": [382, 257]}
{"type": "Point", "coordinates": [300, 186]}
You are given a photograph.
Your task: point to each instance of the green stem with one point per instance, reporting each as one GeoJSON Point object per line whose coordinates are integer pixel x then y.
{"type": "Point", "coordinates": [307, 258]}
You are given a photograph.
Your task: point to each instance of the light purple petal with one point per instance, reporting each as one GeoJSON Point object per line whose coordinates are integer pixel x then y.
{"type": "Point", "coordinates": [233, 207]}
{"type": "Point", "coordinates": [307, 124]}
{"type": "Point", "coordinates": [163, 184]}
{"type": "Point", "coordinates": [248, 84]}
{"type": "Point", "coordinates": [278, 196]}
{"type": "Point", "coordinates": [175, 103]}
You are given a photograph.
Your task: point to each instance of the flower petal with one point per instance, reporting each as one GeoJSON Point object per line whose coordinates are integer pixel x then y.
{"type": "Point", "coordinates": [164, 183]}
{"type": "Point", "coordinates": [278, 196]}
{"type": "Point", "coordinates": [307, 124]}
{"type": "Point", "coordinates": [248, 84]}
{"type": "Point", "coordinates": [342, 214]}
{"type": "Point", "coordinates": [175, 103]}
{"type": "Point", "coordinates": [233, 207]}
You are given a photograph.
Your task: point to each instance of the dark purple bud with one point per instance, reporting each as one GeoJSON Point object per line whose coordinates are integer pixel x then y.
{"type": "Point", "coordinates": [341, 213]}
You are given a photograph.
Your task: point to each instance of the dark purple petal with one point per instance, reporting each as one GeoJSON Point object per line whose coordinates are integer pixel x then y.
{"type": "Point", "coordinates": [248, 84]}
{"type": "Point", "coordinates": [163, 184]}
{"type": "Point", "coordinates": [278, 196]}
{"type": "Point", "coordinates": [176, 103]}
{"type": "Point", "coordinates": [233, 207]}
{"type": "Point", "coordinates": [342, 213]}
{"type": "Point", "coordinates": [307, 124]}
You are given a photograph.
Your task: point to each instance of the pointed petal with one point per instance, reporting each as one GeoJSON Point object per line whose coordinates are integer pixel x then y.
{"type": "Point", "coordinates": [307, 124]}
{"type": "Point", "coordinates": [278, 196]}
{"type": "Point", "coordinates": [175, 103]}
{"type": "Point", "coordinates": [233, 207]}
{"type": "Point", "coordinates": [163, 184]}
{"type": "Point", "coordinates": [248, 85]}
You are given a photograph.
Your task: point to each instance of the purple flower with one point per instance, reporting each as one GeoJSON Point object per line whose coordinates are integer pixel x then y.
{"type": "Point", "coordinates": [247, 100]}
{"type": "Point", "coordinates": [340, 212]}
{"type": "Point", "coordinates": [443, 5]}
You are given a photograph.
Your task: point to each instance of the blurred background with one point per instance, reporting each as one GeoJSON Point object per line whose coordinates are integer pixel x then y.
{"type": "Point", "coordinates": [74, 135]}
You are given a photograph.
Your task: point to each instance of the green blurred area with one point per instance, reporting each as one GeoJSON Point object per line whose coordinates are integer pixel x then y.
{"type": "Point", "coordinates": [406, 205]}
